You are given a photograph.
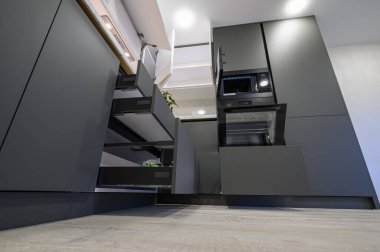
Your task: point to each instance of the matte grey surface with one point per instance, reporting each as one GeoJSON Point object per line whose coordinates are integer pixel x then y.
{"type": "Point", "coordinates": [302, 72]}
{"type": "Point", "coordinates": [185, 172]}
{"type": "Point", "coordinates": [334, 162]}
{"type": "Point", "coordinates": [263, 170]}
{"type": "Point", "coordinates": [209, 172]}
{"type": "Point", "coordinates": [242, 45]}
{"type": "Point", "coordinates": [23, 28]}
{"type": "Point", "coordinates": [204, 135]}
{"type": "Point", "coordinates": [157, 125]}
{"type": "Point", "coordinates": [57, 137]}
{"type": "Point", "coordinates": [30, 208]}
{"type": "Point", "coordinates": [162, 111]}
{"type": "Point", "coordinates": [143, 81]}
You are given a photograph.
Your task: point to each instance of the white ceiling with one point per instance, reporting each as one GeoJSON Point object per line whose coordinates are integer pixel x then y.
{"type": "Point", "coordinates": [342, 22]}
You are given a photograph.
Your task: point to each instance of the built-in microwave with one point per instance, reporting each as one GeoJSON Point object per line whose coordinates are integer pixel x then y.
{"type": "Point", "coordinates": [243, 88]}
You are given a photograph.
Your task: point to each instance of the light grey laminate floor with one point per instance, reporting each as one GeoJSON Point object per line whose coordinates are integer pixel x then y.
{"type": "Point", "coordinates": [204, 228]}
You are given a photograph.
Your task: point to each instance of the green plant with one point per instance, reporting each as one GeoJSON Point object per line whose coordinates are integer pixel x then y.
{"type": "Point", "coordinates": [150, 163]}
{"type": "Point", "coordinates": [169, 100]}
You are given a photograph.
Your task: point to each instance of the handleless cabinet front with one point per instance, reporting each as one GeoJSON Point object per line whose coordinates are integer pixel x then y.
{"type": "Point", "coordinates": [302, 72]}
{"type": "Point", "coordinates": [242, 47]}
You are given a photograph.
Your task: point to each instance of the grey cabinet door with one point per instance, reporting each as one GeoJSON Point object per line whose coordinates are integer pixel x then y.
{"type": "Point", "coordinates": [204, 135]}
{"type": "Point", "coordinates": [334, 162]}
{"type": "Point", "coordinates": [57, 136]}
{"type": "Point", "coordinates": [263, 170]}
{"type": "Point", "coordinates": [242, 45]}
{"type": "Point", "coordinates": [302, 72]}
{"type": "Point", "coordinates": [23, 28]}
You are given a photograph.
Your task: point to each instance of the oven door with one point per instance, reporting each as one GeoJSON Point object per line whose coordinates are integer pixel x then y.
{"type": "Point", "coordinates": [254, 126]}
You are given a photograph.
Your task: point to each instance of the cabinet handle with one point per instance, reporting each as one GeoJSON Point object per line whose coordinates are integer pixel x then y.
{"type": "Point", "coordinates": [223, 54]}
{"type": "Point", "coordinates": [224, 62]}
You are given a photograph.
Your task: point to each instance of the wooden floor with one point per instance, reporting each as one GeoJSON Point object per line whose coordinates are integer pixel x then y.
{"type": "Point", "coordinates": [204, 228]}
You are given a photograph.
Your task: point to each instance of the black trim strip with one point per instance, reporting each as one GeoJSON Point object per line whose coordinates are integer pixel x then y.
{"type": "Point", "coordinates": [30, 76]}
{"type": "Point", "coordinates": [141, 144]}
{"type": "Point", "coordinates": [268, 62]}
{"type": "Point", "coordinates": [214, 119]}
{"type": "Point", "coordinates": [190, 45]}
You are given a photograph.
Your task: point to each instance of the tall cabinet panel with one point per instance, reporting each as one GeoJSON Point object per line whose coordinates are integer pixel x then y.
{"type": "Point", "coordinates": [242, 45]}
{"type": "Point", "coordinates": [334, 162]}
{"type": "Point", "coordinates": [302, 72]}
{"type": "Point", "coordinates": [56, 140]}
{"type": "Point", "coordinates": [23, 28]}
{"type": "Point", "coordinates": [204, 136]}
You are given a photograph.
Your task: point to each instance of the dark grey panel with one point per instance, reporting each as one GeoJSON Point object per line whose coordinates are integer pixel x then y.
{"type": "Point", "coordinates": [30, 208]}
{"type": "Point", "coordinates": [57, 137]}
{"type": "Point", "coordinates": [263, 170]}
{"type": "Point", "coordinates": [144, 82]}
{"type": "Point", "coordinates": [162, 111]}
{"type": "Point", "coordinates": [185, 172]}
{"type": "Point", "coordinates": [209, 173]}
{"type": "Point", "coordinates": [150, 117]}
{"type": "Point", "coordinates": [23, 28]}
{"type": "Point", "coordinates": [242, 45]}
{"type": "Point", "coordinates": [204, 135]}
{"type": "Point", "coordinates": [334, 163]}
{"type": "Point", "coordinates": [302, 72]}
{"type": "Point", "coordinates": [268, 201]}
{"type": "Point", "coordinates": [133, 176]}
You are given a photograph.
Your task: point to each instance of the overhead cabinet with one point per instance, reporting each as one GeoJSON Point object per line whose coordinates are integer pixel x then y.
{"type": "Point", "coordinates": [302, 72]}
{"type": "Point", "coordinates": [242, 47]}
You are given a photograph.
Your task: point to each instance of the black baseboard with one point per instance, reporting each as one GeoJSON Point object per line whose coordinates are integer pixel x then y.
{"type": "Point", "coordinates": [18, 209]}
{"type": "Point", "coordinates": [270, 201]}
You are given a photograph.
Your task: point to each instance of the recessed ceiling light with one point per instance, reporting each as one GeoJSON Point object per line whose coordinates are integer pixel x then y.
{"type": "Point", "coordinates": [201, 112]}
{"type": "Point", "coordinates": [127, 54]}
{"type": "Point", "coordinates": [296, 6]}
{"type": "Point", "coordinates": [184, 18]}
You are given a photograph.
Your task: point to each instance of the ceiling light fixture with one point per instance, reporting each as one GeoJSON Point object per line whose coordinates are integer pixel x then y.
{"type": "Point", "coordinates": [201, 112]}
{"type": "Point", "coordinates": [112, 28]}
{"type": "Point", "coordinates": [184, 18]}
{"type": "Point", "coordinates": [109, 26]}
{"type": "Point", "coordinates": [296, 6]}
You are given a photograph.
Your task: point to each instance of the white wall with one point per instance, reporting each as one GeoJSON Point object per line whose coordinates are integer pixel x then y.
{"type": "Point", "coordinates": [358, 71]}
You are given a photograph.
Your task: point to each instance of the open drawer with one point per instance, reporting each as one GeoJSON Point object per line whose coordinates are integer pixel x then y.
{"type": "Point", "coordinates": [149, 117]}
{"type": "Point", "coordinates": [135, 176]}
{"type": "Point", "coordinates": [181, 177]}
{"type": "Point", "coordinates": [134, 85]}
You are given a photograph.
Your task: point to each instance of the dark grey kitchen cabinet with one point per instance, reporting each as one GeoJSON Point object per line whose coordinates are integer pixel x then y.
{"type": "Point", "coordinates": [242, 46]}
{"type": "Point", "coordinates": [333, 159]}
{"type": "Point", "coordinates": [302, 72]}
{"type": "Point", "coordinates": [57, 136]}
{"type": "Point", "coordinates": [22, 36]}
{"type": "Point", "coordinates": [204, 135]}
{"type": "Point", "coordinates": [263, 170]}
